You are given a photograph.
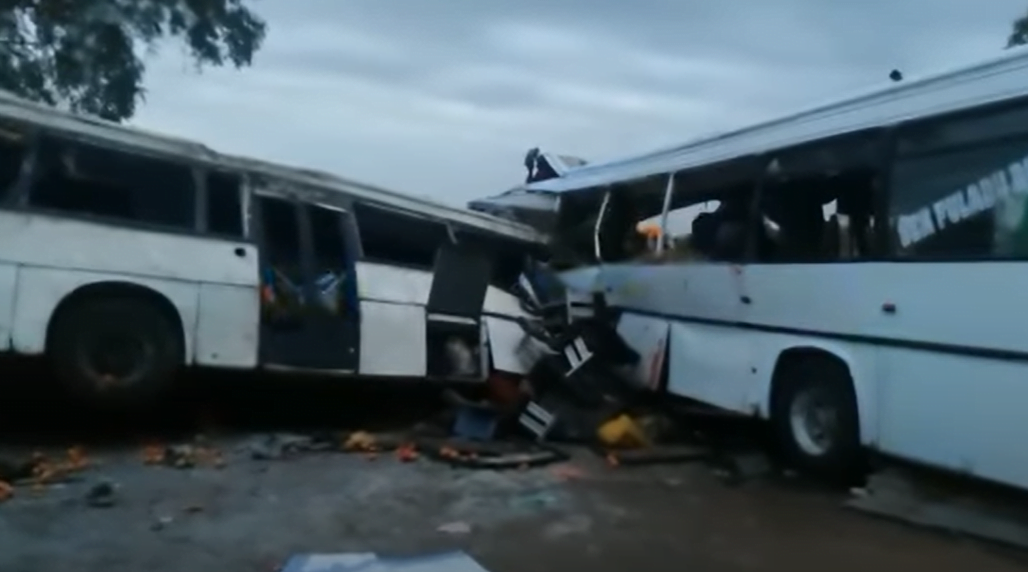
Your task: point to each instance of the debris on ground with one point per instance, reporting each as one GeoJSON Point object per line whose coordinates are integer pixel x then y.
{"type": "Point", "coordinates": [39, 471]}
{"type": "Point", "coordinates": [183, 456]}
{"type": "Point", "coordinates": [192, 508]}
{"type": "Point", "coordinates": [738, 467]}
{"type": "Point", "coordinates": [533, 500]}
{"type": "Point", "coordinates": [360, 441]}
{"type": "Point", "coordinates": [622, 432]}
{"type": "Point", "coordinates": [102, 494]}
{"type": "Point", "coordinates": [457, 561]}
{"type": "Point", "coordinates": [161, 522]}
{"type": "Point", "coordinates": [933, 502]}
{"type": "Point", "coordinates": [279, 446]}
{"type": "Point", "coordinates": [458, 527]}
{"type": "Point", "coordinates": [494, 455]}
{"type": "Point", "coordinates": [567, 472]}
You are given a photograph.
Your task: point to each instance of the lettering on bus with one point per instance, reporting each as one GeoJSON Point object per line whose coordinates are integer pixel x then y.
{"type": "Point", "coordinates": [964, 203]}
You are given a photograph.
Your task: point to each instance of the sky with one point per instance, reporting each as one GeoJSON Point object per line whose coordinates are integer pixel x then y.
{"type": "Point", "coordinates": [442, 98]}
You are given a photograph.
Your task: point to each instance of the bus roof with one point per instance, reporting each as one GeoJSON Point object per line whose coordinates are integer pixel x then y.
{"type": "Point", "coordinates": [131, 138]}
{"type": "Point", "coordinates": [994, 80]}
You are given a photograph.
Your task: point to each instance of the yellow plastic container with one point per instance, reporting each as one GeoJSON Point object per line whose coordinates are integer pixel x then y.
{"type": "Point", "coordinates": [622, 432]}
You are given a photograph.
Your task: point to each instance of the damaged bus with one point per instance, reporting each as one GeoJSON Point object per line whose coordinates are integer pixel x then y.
{"type": "Point", "coordinates": [126, 255]}
{"type": "Point", "coordinates": [853, 273]}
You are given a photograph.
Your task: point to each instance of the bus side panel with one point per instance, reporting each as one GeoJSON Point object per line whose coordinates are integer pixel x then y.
{"type": "Point", "coordinates": [507, 343]}
{"type": "Point", "coordinates": [41, 240]}
{"type": "Point", "coordinates": [711, 364]}
{"type": "Point", "coordinates": [649, 337]}
{"type": "Point", "coordinates": [392, 329]}
{"type": "Point", "coordinates": [957, 412]}
{"type": "Point", "coordinates": [387, 283]}
{"type": "Point", "coordinates": [40, 290]}
{"type": "Point", "coordinates": [393, 339]}
{"type": "Point", "coordinates": [228, 326]}
{"type": "Point", "coordinates": [507, 346]}
{"type": "Point", "coordinates": [498, 302]}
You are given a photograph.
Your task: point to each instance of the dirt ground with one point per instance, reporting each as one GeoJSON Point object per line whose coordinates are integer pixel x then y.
{"type": "Point", "coordinates": [251, 514]}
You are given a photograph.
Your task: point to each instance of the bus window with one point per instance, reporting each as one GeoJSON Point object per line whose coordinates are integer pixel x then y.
{"type": "Point", "coordinates": [617, 233]}
{"type": "Point", "coordinates": [89, 180]}
{"type": "Point", "coordinates": [709, 214]}
{"type": "Point", "coordinates": [333, 269]}
{"type": "Point", "coordinates": [327, 238]}
{"type": "Point", "coordinates": [224, 204]}
{"type": "Point", "coordinates": [396, 238]}
{"type": "Point", "coordinates": [13, 146]}
{"type": "Point", "coordinates": [817, 202]}
{"type": "Point", "coordinates": [960, 188]}
{"type": "Point", "coordinates": [280, 233]}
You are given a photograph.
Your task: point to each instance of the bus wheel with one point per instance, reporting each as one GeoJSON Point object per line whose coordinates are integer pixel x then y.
{"type": "Point", "coordinates": [114, 350]}
{"type": "Point", "coordinates": [814, 413]}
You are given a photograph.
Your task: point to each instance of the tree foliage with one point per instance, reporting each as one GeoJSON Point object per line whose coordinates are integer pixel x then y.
{"type": "Point", "coordinates": [88, 55]}
{"type": "Point", "coordinates": [1018, 32]}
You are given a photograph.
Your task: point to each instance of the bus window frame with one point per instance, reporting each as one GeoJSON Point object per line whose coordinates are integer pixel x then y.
{"type": "Point", "coordinates": [665, 209]}
{"type": "Point", "coordinates": [963, 119]}
{"type": "Point", "coordinates": [17, 200]}
{"type": "Point", "coordinates": [803, 159]}
{"type": "Point", "coordinates": [598, 225]}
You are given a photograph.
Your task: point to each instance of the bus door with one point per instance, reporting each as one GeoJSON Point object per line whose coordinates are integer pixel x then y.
{"type": "Point", "coordinates": [310, 314]}
{"type": "Point", "coordinates": [455, 335]}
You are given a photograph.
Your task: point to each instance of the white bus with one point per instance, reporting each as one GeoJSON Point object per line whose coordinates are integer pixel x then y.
{"type": "Point", "coordinates": [861, 284]}
{"type": "Point", "coordinates": [125, 256]}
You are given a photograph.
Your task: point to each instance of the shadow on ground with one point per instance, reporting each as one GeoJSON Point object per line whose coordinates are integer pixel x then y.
{"type": "Point", "coordinates": [36, 410]}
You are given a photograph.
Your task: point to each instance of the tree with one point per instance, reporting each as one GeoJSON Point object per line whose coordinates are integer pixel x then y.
{"type": "Point", "coordinates": [1019, 32]}
{"type": "Point", "coordinates": [88, 55]}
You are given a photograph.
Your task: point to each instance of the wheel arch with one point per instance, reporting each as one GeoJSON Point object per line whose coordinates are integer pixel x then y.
{"type": "Point", "coordinates": [860, 377]}
{"type": "Point", "coordinates": [122, 289]}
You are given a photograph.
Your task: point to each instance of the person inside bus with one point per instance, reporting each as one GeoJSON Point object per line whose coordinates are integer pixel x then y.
{"type": "Point", "coordinates": [703, 237]}
{"type": "Point", "coordinates": [727, 231]}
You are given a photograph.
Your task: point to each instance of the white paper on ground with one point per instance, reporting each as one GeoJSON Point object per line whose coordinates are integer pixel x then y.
{"type": "Point", "coordinates": [447, 562]}
{"type": "Point", "coordinates": [342, 562]}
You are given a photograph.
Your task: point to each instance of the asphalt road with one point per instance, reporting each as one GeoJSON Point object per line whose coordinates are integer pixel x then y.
{"type": "Point", "coordinates": [250, 515]}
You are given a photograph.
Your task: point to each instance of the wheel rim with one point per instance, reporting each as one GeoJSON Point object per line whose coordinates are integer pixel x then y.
{"type": "Point", "coordinates": [115, 358]}
{"type": "Point", "coordinates": [814, 421]}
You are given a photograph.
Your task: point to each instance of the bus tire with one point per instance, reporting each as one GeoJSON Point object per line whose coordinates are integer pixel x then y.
{"type": "Point", "coordinates": [115, 350]}
{"type": "Point", "coordinates": [815, 416]}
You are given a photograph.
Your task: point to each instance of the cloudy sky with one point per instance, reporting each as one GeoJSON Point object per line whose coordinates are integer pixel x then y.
{"type": "Point", "coordinates": [443, 97]}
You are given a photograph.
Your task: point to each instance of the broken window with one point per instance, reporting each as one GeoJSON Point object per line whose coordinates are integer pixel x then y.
{"type": "Point", "coordinates": [393, 237]}
{"type": "Point", "coordinates": [327, 238]}
{"type": "Point", "coordinates": [224, 204]}
{"type": "Point", "coordinates": [575, 241]}
{"type": "Point", "coordinates": [282, 291]}
{"type": "Point", "coordinates": [710, 213]}
{"type": "Point", "coordinates": [13, 147]}
{"type": "Point", "coordinates": [329, 257]}
{"type": "Point", "coordinates": [280, 234]}
{"type": "Point", "coordinates": [959, 187]}
{"type": "Point", "coordinates": [89, 180]}
{"type": "Point", "coordinates": [817, 202]}
{"type": "Point", "coordinates": [616, 235]}
{"type": "Point", "coordinates": [679, 244]}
